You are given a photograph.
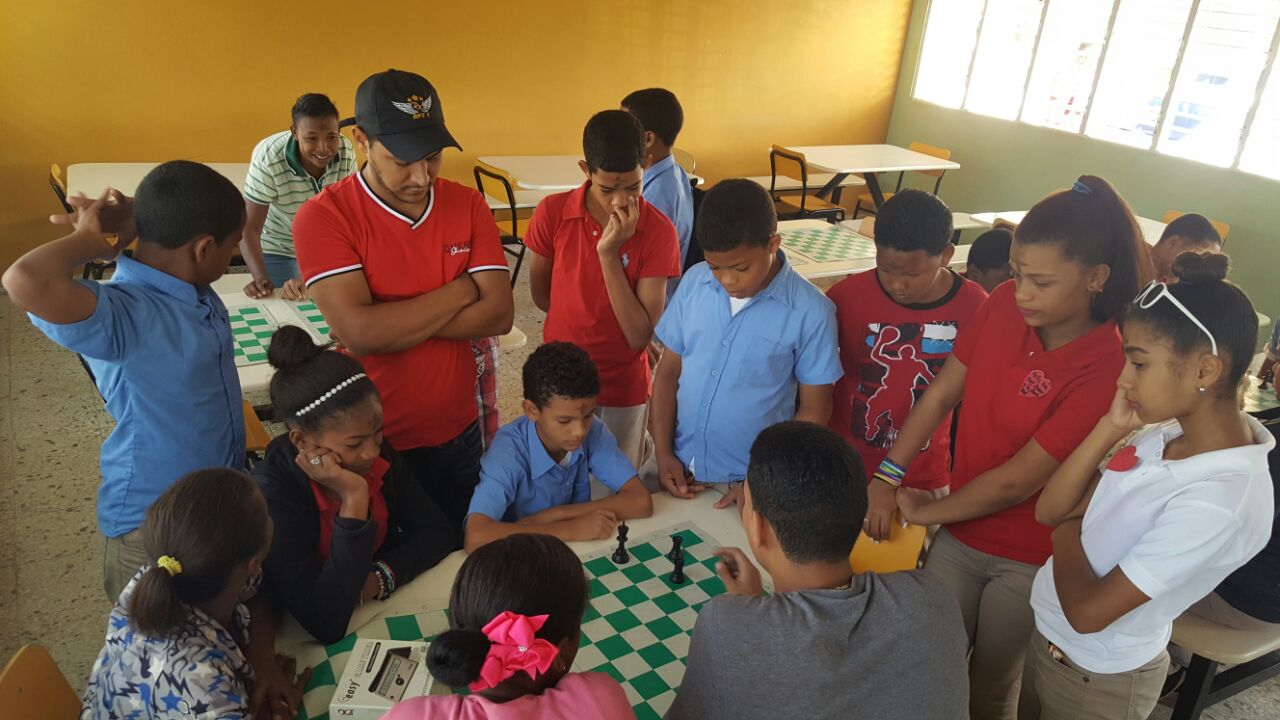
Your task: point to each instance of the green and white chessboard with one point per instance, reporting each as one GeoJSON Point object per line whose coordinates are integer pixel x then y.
{"type": "Point", "coordinates": [313, 320]}
{"type": "Point", "coordinates": [828, 244]}
{"type": "Point", "coordinates": [636, 628]}
{"type": "Point", "coordinates": [251, 329]}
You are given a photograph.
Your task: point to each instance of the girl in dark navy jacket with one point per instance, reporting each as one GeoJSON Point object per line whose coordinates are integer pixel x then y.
{"type": "Point", "coordinates": [350, 526]}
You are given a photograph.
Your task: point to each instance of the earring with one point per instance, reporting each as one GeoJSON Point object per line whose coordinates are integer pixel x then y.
{"type": "Point", "coordinates": [1202, 390]}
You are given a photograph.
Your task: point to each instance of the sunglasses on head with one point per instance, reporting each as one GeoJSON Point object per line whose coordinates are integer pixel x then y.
{"type": "Point", "coordinates": [1157, 290]}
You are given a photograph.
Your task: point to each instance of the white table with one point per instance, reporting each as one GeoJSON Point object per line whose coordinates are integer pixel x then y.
{"type": "Point", "coordinates": [430, 590]}
{"type": "Point", "coordinates": [525, 199]}
{"type": "Point", "coordinates": [548, 173]}
{"type": "Point", "coordinates": [867, 161]}
{"type": "Point", "coordinates": [811, 270]}
{"type": "Point", "coordinates": [92, 178]}
{"type": "Point", "coordinates": [257, 377]}
{"type": "Point", "coordinates": [555, 173]}
{"type": "Point", "coordinates": [1151, 229]}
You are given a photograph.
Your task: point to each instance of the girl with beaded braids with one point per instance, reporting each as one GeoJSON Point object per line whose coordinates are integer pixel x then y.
{"type": "Point", "coordinates": [350, 525]}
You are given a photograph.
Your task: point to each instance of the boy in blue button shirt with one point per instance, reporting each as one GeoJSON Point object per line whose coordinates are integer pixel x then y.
{"type": "Point", "coordinates": [536, 475]}
{"type": "Point", "coordinates": [666, 185]}
{"type": "Point", "coordinates": [155, 337]}
{"type": "Point", "coordinates": [749, 343]}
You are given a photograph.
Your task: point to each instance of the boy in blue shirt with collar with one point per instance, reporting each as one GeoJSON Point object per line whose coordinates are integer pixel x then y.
{"type": "Point", "coordinates": [666, 185]}
{"type": "Point", "coordinates": [536, 475]}
{"type": "Point", "coordinates": [155, 337]}
{"type": "Point", "coordinates": [749, 343]}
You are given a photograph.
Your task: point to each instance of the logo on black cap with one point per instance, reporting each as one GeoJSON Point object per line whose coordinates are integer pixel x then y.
{"type": "Point", "coordinates": [418, 107]}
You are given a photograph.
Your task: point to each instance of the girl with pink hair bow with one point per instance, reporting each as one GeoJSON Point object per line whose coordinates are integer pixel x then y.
{"type": "Point", "coordinates": [516, 616]}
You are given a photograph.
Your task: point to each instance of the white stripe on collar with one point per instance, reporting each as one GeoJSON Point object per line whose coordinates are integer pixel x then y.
{"type": "Point", "coordinates": [413, 224]}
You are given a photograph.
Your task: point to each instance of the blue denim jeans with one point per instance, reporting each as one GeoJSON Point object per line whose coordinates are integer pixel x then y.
{"type": "Point", "coordinates": [280, 268]}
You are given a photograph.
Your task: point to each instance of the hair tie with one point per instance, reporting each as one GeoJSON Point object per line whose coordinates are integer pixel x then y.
{"type": "Point", "coordinates": [514, 648]}
{"type": "Point", "coordinates": [1081, 188]}
{"type": "Point", "coordinates": [326, 396]}
{"type": "Point", "coordinates": [170, 565]}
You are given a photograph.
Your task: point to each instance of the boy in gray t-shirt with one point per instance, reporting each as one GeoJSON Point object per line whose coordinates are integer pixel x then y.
{"type": "Point", "coordinates": [827, 643]}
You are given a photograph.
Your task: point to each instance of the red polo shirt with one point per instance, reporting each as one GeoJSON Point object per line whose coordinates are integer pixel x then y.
{"type": "Point", "coordinates": [563, 232]}
{"type": "Point", "coordinates": [429, 390]}
{"type": "Point", "coordinates": [1015, 392]}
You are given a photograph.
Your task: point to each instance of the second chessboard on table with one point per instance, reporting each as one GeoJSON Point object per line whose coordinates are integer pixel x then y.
{"type": "Point", "coordinates": [251, 329]}
{"type": "Point", "coordinates": [830, 243]}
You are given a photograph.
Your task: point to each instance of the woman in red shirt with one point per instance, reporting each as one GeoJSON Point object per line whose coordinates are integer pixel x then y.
{"type": "Point", "coordinates": [1036, 368]}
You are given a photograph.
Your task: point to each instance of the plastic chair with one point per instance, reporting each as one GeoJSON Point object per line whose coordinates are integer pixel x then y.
{"type": "Point", "coordinates": [33, 688]}
{"type": "Point", "coordinates": [900, 552]}
{"type": "Point", "coordinates": [789, 207]}
{"type": "Point", "coordinates": [937, 152]}
{"type": "Point", "coordinates": [685, 159]}
{"type": "Point", "coordinates": [1221, 227]}
{"type": "Point", "coordinates": [513, 241]}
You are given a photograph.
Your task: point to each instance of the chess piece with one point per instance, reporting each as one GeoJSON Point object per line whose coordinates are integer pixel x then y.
{"type": "Point", "coordinates": [676, 550]}
{"type": "Point", "coordinates": [677, 575]}
{"type": "Point", "coordinates": [621, 556]}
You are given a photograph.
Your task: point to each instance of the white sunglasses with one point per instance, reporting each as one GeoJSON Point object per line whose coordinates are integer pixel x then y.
{"type": "Point", "coordinates": [1156, 290]}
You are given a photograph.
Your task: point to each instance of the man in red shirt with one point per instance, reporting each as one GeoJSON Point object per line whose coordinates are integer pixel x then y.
{"type": "Point", "coordinates": [407, 268]}
{"type": "Point", "coordinates": [599, 269]}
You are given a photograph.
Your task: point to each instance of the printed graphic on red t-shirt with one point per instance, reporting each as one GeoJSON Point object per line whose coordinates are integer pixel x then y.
{"type": "Point", "coordinates": [903, 360]}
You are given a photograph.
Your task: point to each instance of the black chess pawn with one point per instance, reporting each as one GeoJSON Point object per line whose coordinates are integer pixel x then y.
{"type": "Point", "coordinates": [621, 556]}
{"type": "Point", "coordinates": [677, 551]}
{"type": "Point", "coordinates": [677, 575]}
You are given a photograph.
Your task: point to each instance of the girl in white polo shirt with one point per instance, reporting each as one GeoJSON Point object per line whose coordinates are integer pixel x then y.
{"type": "Point", "coordinates": [1177, 509]}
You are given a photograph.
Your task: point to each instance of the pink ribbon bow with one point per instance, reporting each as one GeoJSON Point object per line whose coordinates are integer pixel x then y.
{"type": "Point", "coordinates": [514, 648]}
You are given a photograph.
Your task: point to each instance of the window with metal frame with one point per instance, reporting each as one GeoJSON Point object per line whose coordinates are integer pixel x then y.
{"type": "Point", "coordinates": [1187, 78]}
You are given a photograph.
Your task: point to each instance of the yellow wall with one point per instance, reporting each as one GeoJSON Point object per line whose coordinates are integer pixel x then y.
{"type": "Point", "coordinates": [149, 81]}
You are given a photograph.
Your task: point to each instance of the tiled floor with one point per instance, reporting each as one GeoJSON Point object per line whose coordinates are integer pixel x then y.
{"type": "Point", "coordinates": [51, 426]}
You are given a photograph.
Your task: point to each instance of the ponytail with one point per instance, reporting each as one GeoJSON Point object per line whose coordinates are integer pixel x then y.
{"type": "Point", "coordinates": [1093, 225]}
{"type": "Point", "coordinates": [456, 657]}
{"type": "Point", "coordinates": [196, 533]}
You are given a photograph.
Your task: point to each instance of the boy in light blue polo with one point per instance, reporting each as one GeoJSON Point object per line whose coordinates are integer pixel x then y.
{"type": "Point", "coordinates": [665, 185]}
{"type": "Point", "coordinates": [749, 343]}
{"type": "Point", "coordinates": [536, 475]}
{"type": "Point", "coordinates": [155, 337]}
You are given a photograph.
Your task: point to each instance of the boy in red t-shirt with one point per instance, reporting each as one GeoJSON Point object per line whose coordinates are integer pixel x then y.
{"type": "Point", "coordinates": [601, 257]}
{"type": "Point", "coordinates": [897, 326]}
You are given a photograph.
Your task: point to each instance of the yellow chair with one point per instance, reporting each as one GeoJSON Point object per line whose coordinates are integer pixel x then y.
{"type": "Point", "coordinates": [512, 235]}
{"type": "Point", "coordinates": [685, 160]}
{"type": "Point", "coordinates": [797, 207]}
{"type": "Point", "coordinates": [33, 688]}
{"type": "Point", "coordinates": [94, 269]}
{"type": "Point", "coordinates": [900, 552]}
{"type": "Point", "coordinates": [256, 438]}
{"type": "Point", "coordinates": [1221, 227]}
{"type": "Point", "coordinates": [914, 147]}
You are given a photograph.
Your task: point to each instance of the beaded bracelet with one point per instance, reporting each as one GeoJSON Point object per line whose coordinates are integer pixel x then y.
{"type": "Point", "coordinates": [386, 580]}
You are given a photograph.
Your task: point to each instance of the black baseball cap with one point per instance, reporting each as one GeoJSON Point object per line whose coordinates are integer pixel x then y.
{"type": "Point", "coordinates": [402, 110]}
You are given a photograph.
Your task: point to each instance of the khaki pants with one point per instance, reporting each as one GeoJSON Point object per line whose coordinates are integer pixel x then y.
{"type": "Point", "coordinates": [121, 558]}
{"type": "Point", "coordinates": [1056, 688]}
{"type": "Point", "coordinates": [630, 427]}
{"type": "Point", "coordinates": [994, 595]}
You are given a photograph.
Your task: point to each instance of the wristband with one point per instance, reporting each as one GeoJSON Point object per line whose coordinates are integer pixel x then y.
{"type": "Point", "coordinates": [890, 472]}
{"type": "Point", "coordinates": [892, 482]}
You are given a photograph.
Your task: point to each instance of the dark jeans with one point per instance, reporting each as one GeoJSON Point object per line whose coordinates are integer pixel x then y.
{"type": "Point", "coordinates": [449, 473]}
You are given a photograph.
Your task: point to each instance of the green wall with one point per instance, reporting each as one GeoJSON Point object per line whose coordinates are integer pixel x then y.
{"type": "Point", "coordinates": [1009, 165]}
